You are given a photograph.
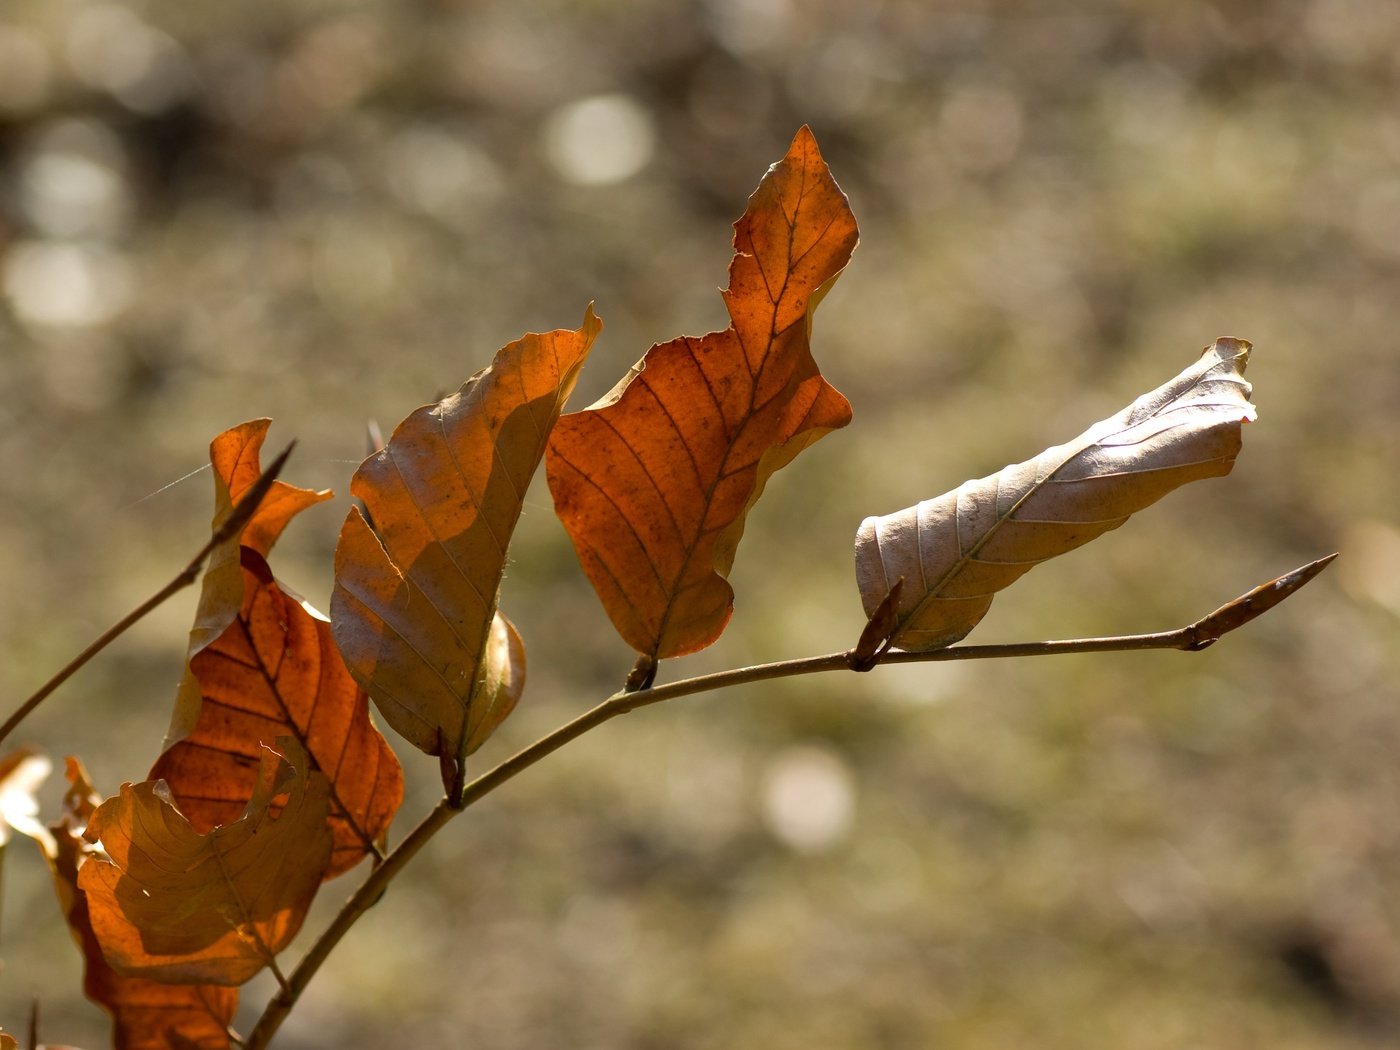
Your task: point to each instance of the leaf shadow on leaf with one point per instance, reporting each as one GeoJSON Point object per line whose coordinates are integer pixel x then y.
{"type": "Point", "coordinates": [174, 905]}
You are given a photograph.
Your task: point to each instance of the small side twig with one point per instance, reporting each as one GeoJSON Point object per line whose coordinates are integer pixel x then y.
{"type": "Point", "coordinates": [1191, 638]}
{"type": "Point", "coordinates": [360, 902]}
{"type": "Point", "coordinates": [242, 511]}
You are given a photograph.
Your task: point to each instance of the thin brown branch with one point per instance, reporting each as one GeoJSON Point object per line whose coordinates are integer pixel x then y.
{"type": "Point", "coordinates": [360, 902]}
{"type": "Point", "coordinates": [1191, 638]}
{"type": "Point", "coordinates": [232, 526]}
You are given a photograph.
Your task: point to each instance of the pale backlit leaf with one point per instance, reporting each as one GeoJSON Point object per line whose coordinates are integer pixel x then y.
{"type": "Point", "coordinates": [956, 551]}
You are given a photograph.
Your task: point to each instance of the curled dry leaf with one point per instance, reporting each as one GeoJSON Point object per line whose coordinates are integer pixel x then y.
{"type": "Point", "coordinates": [275, 671]}
{"type": "Point", "coordinates": [414, 607]}
{"type": "Point", "coordinates": [653, 482]}
{"type": "Point", "coordinates": [146, 1014]}
{"type": "Point", "coordinates": [956, 551]}
{"type": "Point", "coordinates": [502, 682]}
{"type": "Point", "coordinates": [173, 905]}
{"type": "Point", "coordinates": [235, 457]}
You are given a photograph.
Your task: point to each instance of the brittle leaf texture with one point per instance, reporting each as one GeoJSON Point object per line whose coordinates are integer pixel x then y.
{"type": "Point", "coordinates": [956, 551]}
{"type": "Point", "coordinates": [235, 457]}
{"type": "Point", "coordinates": [173, 905]}
{"type": "Point", "coordinates": [654, 482]}
{"type": "Point", "coordinates": [275, 671]}
{"type": "Point", "coordinates": [146, 1014]}
{"type": "Point", "coordinates": [414, 606]}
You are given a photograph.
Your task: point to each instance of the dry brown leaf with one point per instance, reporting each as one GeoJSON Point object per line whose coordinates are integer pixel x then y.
{"type": "Point", "coordinates": [414, 608]}
{"type": "Point", "coordinates": [653, 483]}
{"type": "Point", "coordinates": [146, 1014]}
{"type": "Point", "coordinates": [956, 551]}
{"type": "Point", "coordinates": [275, 671]}
{"type": "Point", "coordinates": [173, 905]}
{"type": "Point", "coordinates": [234, 455]}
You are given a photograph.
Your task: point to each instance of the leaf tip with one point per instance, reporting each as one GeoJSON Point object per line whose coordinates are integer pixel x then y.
{"type": "Point", "coordinates": [1230, 348]}
{"type": "Point", "coordinates": [592, 323]}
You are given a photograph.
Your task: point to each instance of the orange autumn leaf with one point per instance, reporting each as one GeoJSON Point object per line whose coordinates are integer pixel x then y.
{"type": "Point", "coordinates": [653, 483]}
{"type": "Point", "coordinates": [275, 671]}
{"type": "Point", "coordinates": [235, 457]}
{"type": "Point", "coordinates": [173, 905]}
{"type": "Point", "coordinates": [414, 608]}
{"type": "Point", "coordinates": [146, 1014]}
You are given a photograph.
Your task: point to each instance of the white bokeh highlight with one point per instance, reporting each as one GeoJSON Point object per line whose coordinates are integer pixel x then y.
{"type": "Point", "coordinates": [600, 140]}
{"type": "Point", "coordinates": [808, 797]}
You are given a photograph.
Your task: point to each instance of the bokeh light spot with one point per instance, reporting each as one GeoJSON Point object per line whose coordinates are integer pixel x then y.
{"type": "Point", "coordinates": [599, 140]}
{"type": "Point", "coordinates": [66, 284]}
{"type": "Point", "coordinates": [66, 190]}
{"type": "Point", "coordinates": [110, 48]}
{"type": "Point", "coordinates": [808, 798]}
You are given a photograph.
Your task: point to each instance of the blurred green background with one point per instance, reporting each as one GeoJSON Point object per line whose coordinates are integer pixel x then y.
{"type": "Point", "coordinates": [328, 211]}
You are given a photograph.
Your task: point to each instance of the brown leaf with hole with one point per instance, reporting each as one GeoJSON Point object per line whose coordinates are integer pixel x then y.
{"type": "Point", "coordinates": [146, 1014]}
{"type": "Point", "coordinates": [235, 457]}
{"type": "Point", "coordinates": [956, 551]}
{"type": "Point", "coordinates": [275, 671]}
{"type": "Point", "coordinates": [173, 905]}
{"type": "Point", "coordinates": [653, 483]}
{"type": "Point", "coordinates": [414, 607]}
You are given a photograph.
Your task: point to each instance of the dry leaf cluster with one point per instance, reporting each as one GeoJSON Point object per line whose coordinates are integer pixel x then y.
{"type": "Point", "coordinates": [274, 778]}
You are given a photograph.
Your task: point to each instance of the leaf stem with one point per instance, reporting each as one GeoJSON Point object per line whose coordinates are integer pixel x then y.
{"type": "Point", "coordinates": [1191, 638]}
{"type": "Point", "coordinates": [242, 511]}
